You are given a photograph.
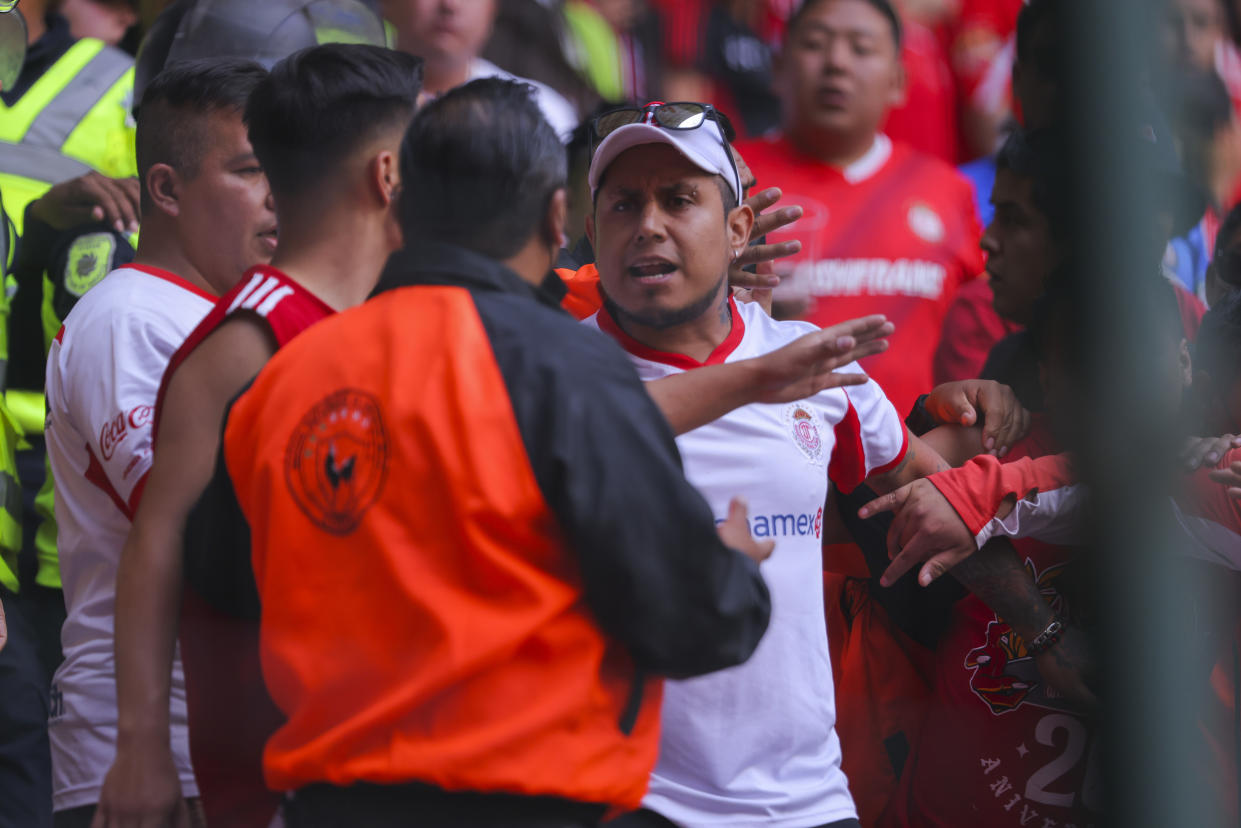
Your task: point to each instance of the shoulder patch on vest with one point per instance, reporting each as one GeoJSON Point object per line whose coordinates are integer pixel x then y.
{"type": "Point", "coordinates": [337, 460]}
{"type": "Point", "coordinates": [89, 260]}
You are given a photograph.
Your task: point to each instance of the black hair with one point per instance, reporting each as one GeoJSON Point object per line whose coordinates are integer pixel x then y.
{"type": "Point", "coordinates": [884, 7]}
{"type": "Point", "coordinates": [170, 119]}
{"type": "Point", "coordinates": [1060, 318]}
{"type": "Point", "coordinates": [1029, 19]}
{"type": "Point", "coordinates": [1057, 318]}
{"type": "Point", "coordinates": [1217, 350]}
{"type": "Point", "coordinates": [1227, 231]}
{"type": "Point", "coordinates": [1200, 107]}
{"type": "Point", "coordinates": [1042, 156]}
{"type": "Point", "coordinates": [482, 164]}
{"type": "Point", "coordinates": [320, 105]}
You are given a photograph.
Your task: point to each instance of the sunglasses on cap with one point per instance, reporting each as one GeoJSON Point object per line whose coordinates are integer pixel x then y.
{"type": "Point", "coordinates": [680, 115]}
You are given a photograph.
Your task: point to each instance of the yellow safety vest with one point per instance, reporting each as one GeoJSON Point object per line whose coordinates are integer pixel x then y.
{"type": "Point", "coordinates": [75, 118]}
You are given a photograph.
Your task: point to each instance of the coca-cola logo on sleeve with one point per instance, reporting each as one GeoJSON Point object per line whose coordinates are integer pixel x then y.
{"type": "Point", "coordinates": [116, 430]}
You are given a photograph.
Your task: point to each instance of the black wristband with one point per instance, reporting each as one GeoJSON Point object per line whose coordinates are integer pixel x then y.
{"type": "Point", "coordinates": [920, 420]}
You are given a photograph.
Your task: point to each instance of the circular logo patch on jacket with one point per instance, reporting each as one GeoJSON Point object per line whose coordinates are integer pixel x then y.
{"type": "Point", "coordinates": [89, 260]}
{"type": "Point", "coordinates": [337, 459]}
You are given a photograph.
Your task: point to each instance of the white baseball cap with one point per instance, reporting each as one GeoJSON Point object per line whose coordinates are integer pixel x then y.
{"type": "Point", "coordinates": [704, 146]}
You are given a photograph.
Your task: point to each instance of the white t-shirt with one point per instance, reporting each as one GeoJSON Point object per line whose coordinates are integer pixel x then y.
{"type": "Point", "coordinates": [103, 372]}
{"type": "Point", "coordinates": [556, 108]}
{"type": "Point", "coordinates": [756, 744]}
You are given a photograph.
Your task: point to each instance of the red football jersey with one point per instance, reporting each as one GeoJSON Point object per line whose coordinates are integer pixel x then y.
{"type": "Point", "coordinates": [999, 747]}
{"type": "Point", "coordinates": [230, 713]}
{"type": "Point", "coordinates": [927, 121]}
{"type": "Point", "coordinates": [976, 36]}
{"type": "Point", "coordinates": [894, 233]}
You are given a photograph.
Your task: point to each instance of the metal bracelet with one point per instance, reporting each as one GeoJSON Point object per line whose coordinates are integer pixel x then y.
{"type": "Point", "coordinates": [1047, 639]}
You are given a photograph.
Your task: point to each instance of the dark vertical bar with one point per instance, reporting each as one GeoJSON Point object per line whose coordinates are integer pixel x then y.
{"type": "Point", "coordinates": [1151, 674]}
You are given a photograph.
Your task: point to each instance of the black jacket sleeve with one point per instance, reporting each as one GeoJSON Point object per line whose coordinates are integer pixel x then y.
{"type": "Point", "coordinates": [656, 574]}
{"type": "Point", "coordinates": [73, 260]}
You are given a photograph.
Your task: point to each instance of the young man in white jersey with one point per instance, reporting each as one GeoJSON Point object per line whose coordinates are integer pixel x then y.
{"type": "Point", "coordinates": [755, 743]}
{"type": "Point", "coordinates": [207, 216]}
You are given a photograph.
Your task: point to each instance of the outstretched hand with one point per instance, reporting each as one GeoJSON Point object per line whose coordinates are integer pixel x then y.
{"type": "Point", "coordinates": [1004, 419]}
{"type": "Point", "coordinates": [807, 365]}
{"type": "Point", "coordinates": [763, 254]}
{"type": "Point", "coordinates": [925, 530]}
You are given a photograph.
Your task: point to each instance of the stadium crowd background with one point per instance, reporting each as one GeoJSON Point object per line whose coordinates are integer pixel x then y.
{"type": "Point", "coordinates": [924, 158]}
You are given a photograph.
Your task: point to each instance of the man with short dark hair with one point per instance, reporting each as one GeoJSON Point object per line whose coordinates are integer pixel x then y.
{"type": "Point", "coordinates": [885, 229]}
{"type": "Point", "coordinates": [1026, 240]}
{"type": "Point", "coordinates": [511, 551]}
{"type": "Point", "coordinates": [208, 218]}
{"type": "Point", "coordinates": [755, 744]}
{"type": "Point", "coordinates": [327, 126]}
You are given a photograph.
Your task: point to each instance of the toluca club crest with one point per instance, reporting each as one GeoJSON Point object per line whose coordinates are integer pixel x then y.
{"type": "Point", "coordinates": [805, 431]}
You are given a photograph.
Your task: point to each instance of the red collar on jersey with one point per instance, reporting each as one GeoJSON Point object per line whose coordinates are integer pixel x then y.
{"type": "Point", "coordinates": [722, 351]}
{"type": "Point", "coordinates": [169, 276]}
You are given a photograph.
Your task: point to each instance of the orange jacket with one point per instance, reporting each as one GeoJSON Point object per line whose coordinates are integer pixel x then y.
{"type": "Point", "coordinates": [462, 583]}
{"type": "Point", "coordinates": [583, 298]}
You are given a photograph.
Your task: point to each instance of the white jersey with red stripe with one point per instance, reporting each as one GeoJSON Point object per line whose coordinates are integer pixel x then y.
{"type": "Point", "coordinates": [757, 743]}
{"type": "Point", "coordinates": [103, 371]}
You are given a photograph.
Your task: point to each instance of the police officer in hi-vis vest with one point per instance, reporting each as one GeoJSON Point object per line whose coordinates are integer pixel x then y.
{"type": "Point", "coordinates": [65, 122]}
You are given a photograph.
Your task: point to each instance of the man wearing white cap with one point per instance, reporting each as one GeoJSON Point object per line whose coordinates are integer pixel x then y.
{"type": "Point", "coordinates": [755, 743]}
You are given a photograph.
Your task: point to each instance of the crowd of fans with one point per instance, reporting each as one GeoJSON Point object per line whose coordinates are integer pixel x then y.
{"type": "Point", "coordinates": [579, 412]}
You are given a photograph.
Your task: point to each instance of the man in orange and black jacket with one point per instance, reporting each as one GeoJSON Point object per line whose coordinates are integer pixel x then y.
{"type": "Point", "coordinates": [475, 550]}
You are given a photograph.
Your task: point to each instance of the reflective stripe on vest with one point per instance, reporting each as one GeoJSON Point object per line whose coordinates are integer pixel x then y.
{"type": "Point", "coordinates": [37, 126]}
{"type": "Point", "coordinates": [62, 127]}
{"type": "Point", "coordinates": [45, 164]}
{"type": "Point", "coordinates": [56, 121]}
{"type": "Point", "coordinates": [60, 99]}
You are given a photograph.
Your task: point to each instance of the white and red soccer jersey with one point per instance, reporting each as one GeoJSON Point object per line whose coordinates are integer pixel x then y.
{"type": "Point", "coordinates": [103, 371]}
{"type": "Point", "coordinates": [894, 233]}
{"type": "Point", "coordinates": [220, 652]}
{"type": "Point", "coordinates": [757, 743]}
{"type": "Point", "coordinates": [999, 748]}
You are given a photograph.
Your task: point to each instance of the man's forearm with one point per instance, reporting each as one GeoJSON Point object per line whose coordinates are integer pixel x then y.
{"type": "Point", "coordinates": [1001, 581]}
{"type": "Point", "coordinates": [920, 460]}
{"type": "Point", "coordinates": [691, 399]}
{"type": "Point", "coordinates": [147, 609]}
